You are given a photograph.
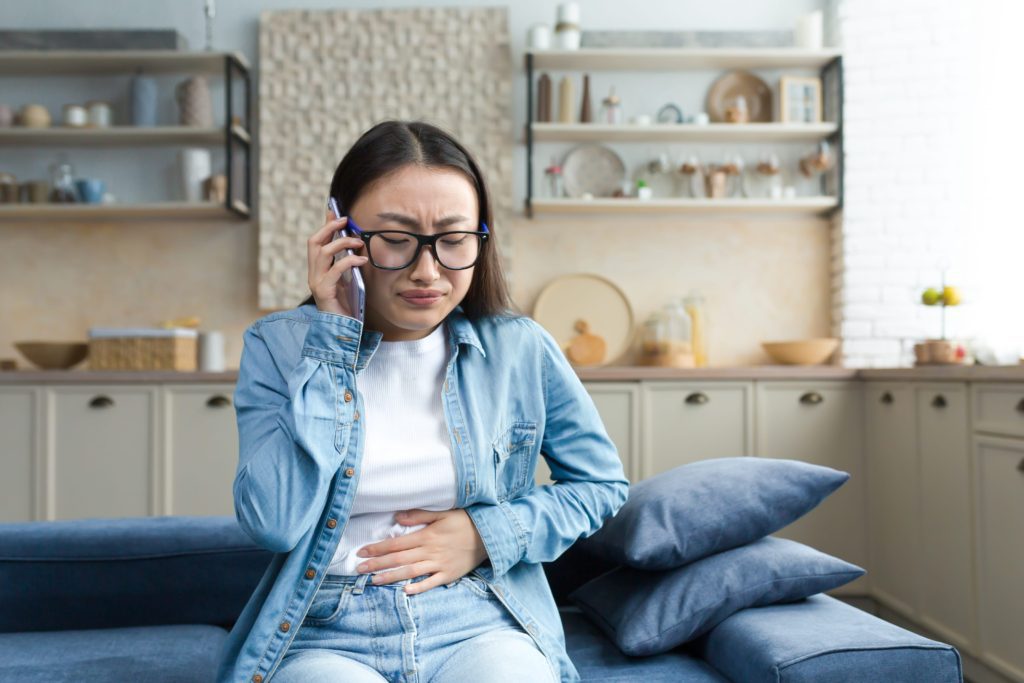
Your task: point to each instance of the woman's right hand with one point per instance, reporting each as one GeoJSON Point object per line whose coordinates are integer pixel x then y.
{"type": "Point", "coordinates": [325, 279]}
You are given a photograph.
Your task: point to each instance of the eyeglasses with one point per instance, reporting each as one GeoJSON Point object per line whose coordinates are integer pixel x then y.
{"type": "Point", "coordinates": [397, 249]}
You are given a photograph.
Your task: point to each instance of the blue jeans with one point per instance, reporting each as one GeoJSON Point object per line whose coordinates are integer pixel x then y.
{"type": "Point", "coordinates": [358, 632]}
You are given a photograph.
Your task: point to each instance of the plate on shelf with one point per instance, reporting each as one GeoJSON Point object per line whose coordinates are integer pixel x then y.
{"type": "Point", "coordinates": [731, 85]}
{"type": "Point", "coordinates": [592, 168]}
{"type": "Point", "coordinates": [592, 298]}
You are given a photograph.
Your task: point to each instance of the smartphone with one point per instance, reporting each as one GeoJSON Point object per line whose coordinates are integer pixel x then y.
{"type": "Point", "coordinates": [352, 278]}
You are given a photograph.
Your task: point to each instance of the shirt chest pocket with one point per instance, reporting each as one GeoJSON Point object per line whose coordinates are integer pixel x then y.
{"type": "Point", "coordinates": [513, 458]}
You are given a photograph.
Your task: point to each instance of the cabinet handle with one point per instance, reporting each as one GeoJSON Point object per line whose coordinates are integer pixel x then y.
{"type": "Point", "coordinates": [697, 398]}
{"type": "Point", "coordinates": [887, 398]}
{"type": "Point", "coordinates": [812, 398]}
{"type": "Point", "coordinates": [1020, 465]}
{"type": "Point", "coordinates": [1020, 406]}
{"type": "Point", "coordinates": [218, 401]}
{"type": "Point", "coordinates": [101, 402]}
{"type": "Point", "coordinates": [939, 401]}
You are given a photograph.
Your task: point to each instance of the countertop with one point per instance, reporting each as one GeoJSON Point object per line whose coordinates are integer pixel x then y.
{"type": "Point", "coordinates": [964, 373]}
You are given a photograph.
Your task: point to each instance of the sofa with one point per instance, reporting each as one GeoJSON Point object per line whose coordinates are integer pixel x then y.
{"type": "Point", "coordinates": [152, 598]}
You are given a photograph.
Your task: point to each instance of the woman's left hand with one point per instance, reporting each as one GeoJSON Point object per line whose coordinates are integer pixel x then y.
{"type": "Point", "coordinates": [448, 548]}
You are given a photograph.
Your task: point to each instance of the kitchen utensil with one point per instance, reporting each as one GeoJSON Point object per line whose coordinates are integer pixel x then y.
{"type": "Point", "coordinates": [215, 188]}
{"type": "Point", "coordinates": [194, 105]}
{"type": "Point", "coordinates": [62, 179]}
{"type": "Point", "coordinates": [9, 193]}
{"type": "Point", "coordinates": [35, 192]}
{"type": "Point", "coordinates": [211, 351]}
{"type": "Point", "coordinates": [593, 299]}
{"type": "Point", "coordinates": [587, 348]}
{"type": "Point", "coordinates": [567, 30]}
{"type": "Point", "coordinates": [34, 116]}
{"type": "Point", "coordinates": [101, 115]}
{"type": "Point", "coordinates": [593, 169]}
{"type": "Point", "coordinates": [539, 37]}
{"type": "Point", "coordinates": [75, 116]}
{"type": "Point", "coordinates": [53, 355]}
{"type": "Point", "coordinates": [90, 190]}
{"type": "Point", "coordinates": [724, 92]}
{"type": "Point", "coordinates": [193, 169]}
{"type": "Point", "coordinates": [802, 351]}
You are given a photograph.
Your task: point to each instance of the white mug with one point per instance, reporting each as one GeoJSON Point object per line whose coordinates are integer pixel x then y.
{"type": "Point", "coordinates": [539, 37]}
{"type": "Point", "coordinates": [211, 351]}
{"type": "Point", "coordinates": [193, 169]}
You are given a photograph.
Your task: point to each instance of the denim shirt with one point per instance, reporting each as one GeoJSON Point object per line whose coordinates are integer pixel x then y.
{"type": "Point", "coordinates": [509, 396]}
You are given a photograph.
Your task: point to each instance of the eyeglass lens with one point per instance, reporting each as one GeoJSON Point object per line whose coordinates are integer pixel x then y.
{"type": "Point", "coordinates": [395, 250]}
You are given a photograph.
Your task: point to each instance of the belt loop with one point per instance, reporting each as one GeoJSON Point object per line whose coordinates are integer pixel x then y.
{"type": "Point", "coordinates": [361, 583]}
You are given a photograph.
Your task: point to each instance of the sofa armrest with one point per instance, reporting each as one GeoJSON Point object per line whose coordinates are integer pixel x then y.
{"type": "Point", "coordinates": [822, 638]}
{"type": "Point", "coordinates": [137, 571]}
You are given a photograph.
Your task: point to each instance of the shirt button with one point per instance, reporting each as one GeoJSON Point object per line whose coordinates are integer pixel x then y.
{"type": "Point", "coordinates": [349, 472]}
{"type": "Point", "coordinates": [310, 573]}
{"type": "Point", "coordinates": [285, 626]}
{"type": "Point", "coordinates": [331, 523]}
{"type": "Point", "coordinates": [256, 678]}
{"type": "Point", "coordinates": [348, 396]}
{"type": "Point", "coordinates": [356, 416]}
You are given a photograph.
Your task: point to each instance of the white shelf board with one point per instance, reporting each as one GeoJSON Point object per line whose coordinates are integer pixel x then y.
{"type": "Point", "coordinates": [633, 59]}
{"type": "Point", "coordinates": [60, 62]}
{"type": "Point", "coordinates": [115, 135]}
{"type": "Point", "coordinates": [153, 210]}
{"type": "Point", "coordinates": [798, 205]}
{"type": "Point", "coordinates": [669, 132]}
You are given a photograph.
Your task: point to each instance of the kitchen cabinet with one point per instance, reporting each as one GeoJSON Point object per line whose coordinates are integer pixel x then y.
{"type": "Point", "coordinates": [200, 449]}
{"type": "Point", "coordinates": [999, 408]}
{"type": "Point", "coordinates": [998, 533]}
{"type": "Point", "coordinates": [19, 430]}
{"type": "Point", "coordinates": [821, 423]}
{"type": "Point", "coordinates": [893, 495]}
{"type": "Point", "coordinates": [683, 422]}
{"type": "Point", "coordinates": [102, 451]}
{"type": "Point", "coordinates": [618, 403]}
{"type": "Point", "coordinates": [945, 573]}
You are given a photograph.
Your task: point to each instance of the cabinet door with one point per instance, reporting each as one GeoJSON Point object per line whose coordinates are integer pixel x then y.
{"type": "Point", "coordinates": [619, 406]}
{"type": "Point", "coordinates": [102, 451]}
{"type": "Point", "coordinates": [893, 498]}
{"type": "Point", "coordinates": [999, 496]}
{"type": "Point", "coordinates": [684, 422]}
{"type": "Point", "coordinates": [999, 408]}
{"type": "Point", "coordinates": [821, 423]}
{"type": "Point", "coordinates": [200, 449]}
{"type": "Point", "coordinates": [19, 425]}
{"type": "Point", "coordinates": [943, 443]}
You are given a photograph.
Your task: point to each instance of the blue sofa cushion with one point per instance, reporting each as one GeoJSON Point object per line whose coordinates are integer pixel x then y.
{"type": "Point", "coordinates": [105, 573]}
{"type": "Point", "coordinates": [645, 612]}
{"type": "Point", "coordinates": [704, 507]}
{"type": "Point", "coordinates": [597, 660]}
{"type": "Point", "coordinates": [823, 639]}
{"type": "Point", "coordinates": [155, 654]}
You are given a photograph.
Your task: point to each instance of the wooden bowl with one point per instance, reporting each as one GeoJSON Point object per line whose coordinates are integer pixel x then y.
{"type": "Point", "coordinates": [801, 352]}
{"type": "Point", "coordinates": [53, 355]}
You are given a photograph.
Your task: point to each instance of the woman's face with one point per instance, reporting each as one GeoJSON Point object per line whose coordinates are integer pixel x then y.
{"type": "Point", "coordinates": [424, 201]}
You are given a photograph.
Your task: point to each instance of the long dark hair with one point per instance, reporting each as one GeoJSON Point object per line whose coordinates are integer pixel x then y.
{"type": "Point", "coordinates": [390, 145]}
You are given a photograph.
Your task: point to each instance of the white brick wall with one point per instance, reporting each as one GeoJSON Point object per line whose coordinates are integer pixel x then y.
{"type": "Point", "coordinates": [903, 169]}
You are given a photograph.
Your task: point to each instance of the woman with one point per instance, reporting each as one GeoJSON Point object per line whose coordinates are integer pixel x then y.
{"type": "Point", "coordinates": [438, 405]}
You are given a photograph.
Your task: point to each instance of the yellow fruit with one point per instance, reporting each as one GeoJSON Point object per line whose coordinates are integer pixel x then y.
{"type": "Point", "coordinates": [930, 297]}
{"type": "Point", "coordinates": [950, 296]}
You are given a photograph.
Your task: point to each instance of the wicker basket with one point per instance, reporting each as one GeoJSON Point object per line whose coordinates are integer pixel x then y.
{"type": "Point", "coordinates": [142, 349]}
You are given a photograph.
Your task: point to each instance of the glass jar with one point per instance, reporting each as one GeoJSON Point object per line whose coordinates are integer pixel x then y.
{"type": "Point", "coordinates": [611, 108]}
{"type": "Point", "coordinates": [63, 183]}
{"type": "Point", "coordinates": [694, 305]}
{"type": "Point", "coordinates": [667, 338]}
{"type": "Point", "coordinates": [553, 173]}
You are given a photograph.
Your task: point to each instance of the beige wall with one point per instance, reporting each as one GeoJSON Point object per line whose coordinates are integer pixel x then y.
{"type": "Point", "coordinates": [763, 279]}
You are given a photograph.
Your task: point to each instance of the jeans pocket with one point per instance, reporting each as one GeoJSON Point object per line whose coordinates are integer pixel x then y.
{"type": "Point", "coordinates": [328, 603]}
{"type": "Point", "coordinates": [476, 585]}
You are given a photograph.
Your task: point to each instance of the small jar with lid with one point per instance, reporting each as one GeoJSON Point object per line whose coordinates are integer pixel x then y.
{"type": "Point", "coordinates": [611, 108]}
{"type": "Point", "coordinates": [667, 338]}
{"type": "Point", "coordinates": [553, 173]}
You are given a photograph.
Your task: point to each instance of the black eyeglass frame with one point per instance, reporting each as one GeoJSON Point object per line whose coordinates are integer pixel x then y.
{"type": "Point", "coordinates": [429, 240]}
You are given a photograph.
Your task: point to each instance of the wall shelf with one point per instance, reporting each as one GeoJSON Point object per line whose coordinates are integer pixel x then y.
{"type": "Point", "coordinates": [116, 135]}
{"type": "Point", "coordinates": [670, 132]}
{"type": "Point", "coordinates": [234, 135]}
{"type": "Point", "coordinates": [114, 212]}
{"type": "Point", "coordinates": [63, 62]}
{"type": "Point", "coordinates": [671, 59]}
{"type": "Point", "coordinates": [799, 205]}
{"type": "Point", "coordinates": [827, 62]}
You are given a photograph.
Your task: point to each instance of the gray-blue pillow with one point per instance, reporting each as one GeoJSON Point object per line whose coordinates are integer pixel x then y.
{"type": "Point", "coordinates": [708, 506]}
{"type": "Point", "coordinates": [645, 612]}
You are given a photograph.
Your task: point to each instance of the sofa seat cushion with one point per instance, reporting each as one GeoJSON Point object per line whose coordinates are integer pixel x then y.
{"type": "Point", "coordinates": [155, 654]}
{"type": "Point", "coordinates": [822, 638]}
{"type": "Point", "coordinates": [597, 659]}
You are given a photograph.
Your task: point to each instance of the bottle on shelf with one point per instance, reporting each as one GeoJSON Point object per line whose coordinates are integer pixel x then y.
{"type": "Point", "coordinates": [695, 307]}
{"type": "Point", "coordinates": [565, 100]}
{"type": "Point", "coordinates": [586, 112]}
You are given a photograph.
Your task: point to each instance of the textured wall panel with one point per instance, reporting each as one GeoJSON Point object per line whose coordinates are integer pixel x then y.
{"type": "Point", "coordinates": [327, 76]}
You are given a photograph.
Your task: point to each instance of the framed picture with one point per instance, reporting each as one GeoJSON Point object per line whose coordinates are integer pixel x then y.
{"type": "Point", "coordinates": [799, 99]}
